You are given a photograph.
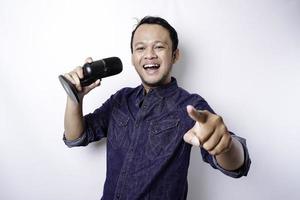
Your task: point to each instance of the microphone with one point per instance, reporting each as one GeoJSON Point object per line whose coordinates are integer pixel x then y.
{"type": "Point", "coordinates": [91, 72]}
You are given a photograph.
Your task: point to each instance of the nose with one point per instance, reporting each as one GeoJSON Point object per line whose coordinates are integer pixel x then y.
{"type": "Point", "coordinates": [150, 54]}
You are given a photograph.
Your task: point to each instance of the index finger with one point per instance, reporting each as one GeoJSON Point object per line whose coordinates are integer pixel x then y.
{"type": "Point", "coordinates": [197, 115]}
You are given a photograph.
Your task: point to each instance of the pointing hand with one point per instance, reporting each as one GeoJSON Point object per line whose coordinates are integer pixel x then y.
{"type": "Point", "coordinates": [209, 132]}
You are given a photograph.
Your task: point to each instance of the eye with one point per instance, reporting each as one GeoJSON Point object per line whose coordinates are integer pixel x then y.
{"type": "Point", "coordinates": [139, 48]}
{"type": "Point", "coordinates": [159, 47]}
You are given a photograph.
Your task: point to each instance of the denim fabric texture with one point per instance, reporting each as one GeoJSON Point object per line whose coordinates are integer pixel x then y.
{"type": "Point", "coordinates": [146, 155]}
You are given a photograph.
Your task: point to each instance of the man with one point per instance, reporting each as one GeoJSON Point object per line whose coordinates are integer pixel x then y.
{"type": "Point", "coordinates": [150, 129]}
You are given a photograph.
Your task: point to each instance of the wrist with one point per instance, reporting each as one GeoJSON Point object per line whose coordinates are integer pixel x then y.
{"type": "Point", "coordinates": [233, 158]}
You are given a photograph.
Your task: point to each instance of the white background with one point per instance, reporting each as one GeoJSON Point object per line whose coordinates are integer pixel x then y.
{"type": "Point", "coordinates": [241, 56]}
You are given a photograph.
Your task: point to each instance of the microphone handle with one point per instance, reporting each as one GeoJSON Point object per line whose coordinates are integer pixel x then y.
{"type": "Point", "coordinates": [89, 70]}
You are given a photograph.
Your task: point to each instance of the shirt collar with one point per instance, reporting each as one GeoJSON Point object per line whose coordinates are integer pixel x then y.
{"type": "Point", "coordinates": [160, 92]}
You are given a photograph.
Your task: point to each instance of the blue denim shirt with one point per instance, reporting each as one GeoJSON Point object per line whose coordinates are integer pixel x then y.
{"type": "Point", "coordinates": [147, 157]}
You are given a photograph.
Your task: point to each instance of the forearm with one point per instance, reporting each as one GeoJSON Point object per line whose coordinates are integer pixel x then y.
{"type": "Point", "coordinates": [232, 159]}
{"type": "Point", "coordinates": [73, 122]}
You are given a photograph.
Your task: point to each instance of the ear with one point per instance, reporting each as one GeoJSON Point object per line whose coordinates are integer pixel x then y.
{"type": "Point", "coordinates": [176, 56]}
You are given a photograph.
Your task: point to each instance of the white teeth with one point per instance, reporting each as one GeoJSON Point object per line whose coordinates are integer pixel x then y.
{"type": "Point", "coordinates": [151, 65]}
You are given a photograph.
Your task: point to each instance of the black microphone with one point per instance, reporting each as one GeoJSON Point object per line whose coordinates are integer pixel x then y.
{"type": "Point", "coordinates": [91, 72]}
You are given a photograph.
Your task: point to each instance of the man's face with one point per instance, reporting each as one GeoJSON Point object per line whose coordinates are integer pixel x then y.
{"type": "Point", "coordinates": [152, 55]}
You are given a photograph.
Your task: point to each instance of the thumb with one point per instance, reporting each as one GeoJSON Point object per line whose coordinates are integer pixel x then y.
{"type": "Point", "coordinates": [191, 138]}
{"type": "Point", "coordinates": [89, 60]}
{"type": "Point", "coordinates": [196, 115]}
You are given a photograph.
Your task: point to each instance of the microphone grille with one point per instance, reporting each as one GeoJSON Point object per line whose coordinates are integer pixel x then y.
{"type": "Point", "coordinates": [113, 64]}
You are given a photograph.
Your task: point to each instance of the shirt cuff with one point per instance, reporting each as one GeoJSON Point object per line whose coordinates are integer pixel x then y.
{"type": "Point", "coordinates": [74, 143]}
{"type": "Point", "coordinates": [243, 170]}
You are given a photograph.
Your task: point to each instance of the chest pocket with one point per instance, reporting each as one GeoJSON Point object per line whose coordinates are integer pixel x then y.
{"type": "Point", "coordinates": [118, 129]}
{"type": "Point", "coordinates": [162, 137]}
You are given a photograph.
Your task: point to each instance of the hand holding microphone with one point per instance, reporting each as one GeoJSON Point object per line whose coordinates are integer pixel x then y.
{"type": "Point", "coordinates": [74, 78]}
{"type": "Point", "coordinates": [81, 80]}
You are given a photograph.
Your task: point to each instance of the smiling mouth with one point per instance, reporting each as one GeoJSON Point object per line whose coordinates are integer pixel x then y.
{"type": "Point", "coordinates": [151, 66]}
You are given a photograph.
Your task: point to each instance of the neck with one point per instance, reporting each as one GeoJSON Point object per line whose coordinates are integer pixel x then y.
{"type": "Point", "coordinates": [147, 87]}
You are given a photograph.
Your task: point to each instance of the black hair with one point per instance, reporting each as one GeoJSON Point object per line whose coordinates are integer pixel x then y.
{"type": "Point", "coordinates": [159, 21]}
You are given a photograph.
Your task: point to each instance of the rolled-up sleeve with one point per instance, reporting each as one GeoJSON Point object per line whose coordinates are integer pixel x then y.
{"type": "Point", "coordinates": [242, 171]}
{"type": "Point", "coordinates": [95, 130]}
{"type": "Point", "coordinates": [96, 126]}
{"type": "Point", "coordinates": [74, 143]}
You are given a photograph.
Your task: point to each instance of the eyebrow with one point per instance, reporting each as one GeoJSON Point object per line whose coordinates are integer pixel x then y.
{"type": "Point", "coordinates": [155, 42]}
